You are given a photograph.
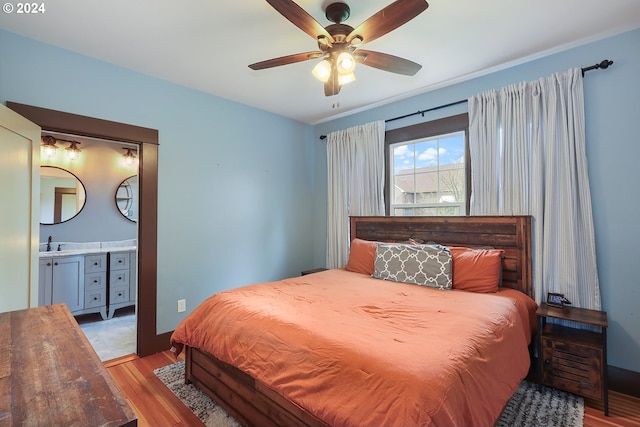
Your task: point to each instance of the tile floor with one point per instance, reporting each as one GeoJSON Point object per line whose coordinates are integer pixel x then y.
{"type": "Point", "coordinates": [111, 338]}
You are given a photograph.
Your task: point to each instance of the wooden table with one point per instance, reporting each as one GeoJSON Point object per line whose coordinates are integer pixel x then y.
{"type": "Point", "coordinates": [50, 375]}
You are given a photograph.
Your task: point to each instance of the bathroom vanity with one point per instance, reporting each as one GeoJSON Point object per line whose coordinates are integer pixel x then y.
{"type": "Point", "coordinates": [95, 277]}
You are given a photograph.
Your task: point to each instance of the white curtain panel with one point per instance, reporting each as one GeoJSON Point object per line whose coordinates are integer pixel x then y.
{"type": "Point", "coordinates": [355, 169]}
{"type": "Point", "coordinates": [528, 157]}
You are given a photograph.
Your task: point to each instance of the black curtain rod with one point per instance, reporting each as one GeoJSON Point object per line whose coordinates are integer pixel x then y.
{"type": "Point", "coordinates": [603, 64]}
{"type": "Point", "coordinates": [462, 101]}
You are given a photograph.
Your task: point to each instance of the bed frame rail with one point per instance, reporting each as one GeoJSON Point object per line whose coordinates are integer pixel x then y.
{"type": "Point", "coordinates": [247, 400]}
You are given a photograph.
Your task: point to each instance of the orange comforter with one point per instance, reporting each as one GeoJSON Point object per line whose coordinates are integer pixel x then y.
{"type": "Point", "coordinates": [354, 350]}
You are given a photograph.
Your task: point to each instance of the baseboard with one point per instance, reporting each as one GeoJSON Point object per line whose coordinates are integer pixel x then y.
{"type": "Point", "coordinates": [624, 381]}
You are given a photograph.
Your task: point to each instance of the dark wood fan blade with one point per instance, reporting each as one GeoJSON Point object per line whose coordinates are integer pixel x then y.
{"type": "Point", "coordinates": [332, 86]}
{"type": "Point", "coordinates": [386, 62]}
{"type": "Point", "coordinates": [284, 60]}
{"type": "Point", "coordinates": [388, 19]}
{"type": "Point", "coordinates": [300, 18]}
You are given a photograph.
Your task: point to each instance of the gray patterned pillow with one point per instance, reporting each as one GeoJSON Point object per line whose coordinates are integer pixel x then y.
{"type": "Point", "coordinates": [428, 265]}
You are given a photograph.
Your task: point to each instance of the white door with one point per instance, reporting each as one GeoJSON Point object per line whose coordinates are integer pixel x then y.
{"type": "Point", "coordinates": [19, 210]}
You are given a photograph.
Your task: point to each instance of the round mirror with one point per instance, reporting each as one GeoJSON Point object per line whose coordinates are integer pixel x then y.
{"type": "Point", "coordinates": [62, 195]}
{"type": "Point", "coordinates": [127, 198]}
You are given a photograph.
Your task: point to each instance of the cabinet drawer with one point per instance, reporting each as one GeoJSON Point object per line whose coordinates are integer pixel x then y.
{"type": "Point", "coordinates": [96, 298]}
{"type": "Point", "coordinates": [95, 281]}
{"type": "Point", "coordinates": [119, 294]}
{"type": "Point", "coordinates": [95, 263]}
{"type": "Point", "coordinates": [119, 278]}
{"type": "Point", "coordinates": [119, 260]}
{"type": "Point", "coordinates": [572, 367]}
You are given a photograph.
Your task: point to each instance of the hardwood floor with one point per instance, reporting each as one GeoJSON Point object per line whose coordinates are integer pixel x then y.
{"type": "Point", "coordinates": [156, 405]}
{"type": "Point", "coordinates": [624, 410]}
{"type": "Point", "coordinates": [153, 403]}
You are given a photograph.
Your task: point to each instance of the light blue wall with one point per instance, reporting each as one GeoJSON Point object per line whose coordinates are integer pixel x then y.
{"type": "Point", "coordinates": [612, 99]}
{"type": "Point", "coordinates": [235, 183]}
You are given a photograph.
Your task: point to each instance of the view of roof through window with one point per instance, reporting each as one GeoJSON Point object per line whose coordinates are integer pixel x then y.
{"type": "Point", "coordinates": [429, 176]}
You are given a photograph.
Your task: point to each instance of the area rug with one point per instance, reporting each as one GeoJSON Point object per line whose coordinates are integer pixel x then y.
{"type": "Point", "coordinates": [527, 408]}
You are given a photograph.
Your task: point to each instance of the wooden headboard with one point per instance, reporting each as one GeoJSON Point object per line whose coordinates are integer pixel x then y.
{"type": "Point", "coordinates": [511, 233]}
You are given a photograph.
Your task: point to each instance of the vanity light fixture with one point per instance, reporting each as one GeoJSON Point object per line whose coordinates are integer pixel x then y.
{"type": "Point", "coordinates": [129, 157]}
{"type": "Point", "coordinates": [48, 147]}
{"type": "Point", "coordinates": [73, 152]}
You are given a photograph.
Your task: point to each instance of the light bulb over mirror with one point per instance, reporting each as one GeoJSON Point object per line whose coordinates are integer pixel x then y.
{"type": "Point", "coordinates": [49, 147]}
{"type": "Point", "coordinates": [73, 152]}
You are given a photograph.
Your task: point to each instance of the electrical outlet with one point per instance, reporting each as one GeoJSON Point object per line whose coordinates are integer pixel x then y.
{"type": "Point", "coordinates": [182, 305]}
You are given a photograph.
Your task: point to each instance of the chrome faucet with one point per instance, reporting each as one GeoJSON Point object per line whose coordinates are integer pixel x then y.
{"type": "Point", "coordinates": [49, 244]}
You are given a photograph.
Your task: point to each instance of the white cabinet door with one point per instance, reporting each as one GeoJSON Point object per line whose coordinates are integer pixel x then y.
{"type": "Point", "coordinates": [20, 218]}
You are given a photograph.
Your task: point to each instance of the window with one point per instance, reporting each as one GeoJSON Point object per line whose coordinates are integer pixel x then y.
{"type": "Point", "coordinates": [427, 172]}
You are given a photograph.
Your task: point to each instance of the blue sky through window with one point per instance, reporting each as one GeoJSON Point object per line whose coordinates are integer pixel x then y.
{"type": "Point", "coordinates": [430, 152]}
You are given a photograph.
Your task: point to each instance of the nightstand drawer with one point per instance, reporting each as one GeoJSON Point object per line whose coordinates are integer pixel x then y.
{"type": "Point", "coordinates": [572, 367]}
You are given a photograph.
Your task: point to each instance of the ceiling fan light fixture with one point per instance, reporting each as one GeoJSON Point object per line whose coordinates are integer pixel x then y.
{"type": "Point", "coordinates": [322, 71]}
{"type": "Point", "coordinates": [338, 43]}
{"type": "Point", "coordinates": [323, 41]}
{"type": "Point", "coordinates": [345, 63]}
{"type": "Point", "coordinates": [343, 79]}
{"type": "Point", "coordinates": [356, 40]}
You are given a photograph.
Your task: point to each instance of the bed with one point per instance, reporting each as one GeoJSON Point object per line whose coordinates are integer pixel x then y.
{"type": "Point", "coordinates": [341, 347]}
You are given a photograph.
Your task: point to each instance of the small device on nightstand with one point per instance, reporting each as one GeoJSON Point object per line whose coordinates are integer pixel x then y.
{"type": "Point", "coordinates": [571, 359]}
{"type": "Point", "coordinates": [557, 300]}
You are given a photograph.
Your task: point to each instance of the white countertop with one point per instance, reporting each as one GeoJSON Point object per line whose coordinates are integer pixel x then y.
{"type": "Point", "coordinates": [71, 252]}
{"type": "Point", "coordinates": [86, 248]}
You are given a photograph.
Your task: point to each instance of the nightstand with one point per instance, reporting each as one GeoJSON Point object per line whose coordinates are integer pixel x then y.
{"type": "Point", "coordinates": [570, 359]}
{"type": "Point", "coordinates": [313, 270]}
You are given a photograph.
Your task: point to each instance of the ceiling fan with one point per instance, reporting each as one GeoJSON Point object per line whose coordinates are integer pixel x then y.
{"type": "Point", "coordinates": [339, 43]}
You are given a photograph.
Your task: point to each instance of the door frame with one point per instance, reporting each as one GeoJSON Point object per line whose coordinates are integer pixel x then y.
{"type": "Point", "coordinates": [148, 340]}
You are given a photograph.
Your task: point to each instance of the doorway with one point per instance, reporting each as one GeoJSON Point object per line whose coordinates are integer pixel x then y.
{"type": "Point", "coordinates": [95, 227]}
{"type": "Point", "coordinates": [147, 338]}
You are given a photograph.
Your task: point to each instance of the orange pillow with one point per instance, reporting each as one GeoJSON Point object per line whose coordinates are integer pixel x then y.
{"type": "Point", "coordinates": [477, 270]}
{"type": "Point", "coordinates": [362, 255]}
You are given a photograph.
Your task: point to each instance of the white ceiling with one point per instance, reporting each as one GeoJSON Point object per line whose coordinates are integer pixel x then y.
{"type": "Point", "coordinates": [208, 44]}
